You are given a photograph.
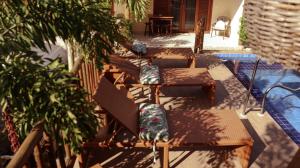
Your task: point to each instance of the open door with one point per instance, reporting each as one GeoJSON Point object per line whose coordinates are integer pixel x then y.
{"type": "Point", "coordinates": [183, 12]}
{"type": "Point", "coordinates": [204, 9]}
{"type": "Point", "coordinates": [187, 12]}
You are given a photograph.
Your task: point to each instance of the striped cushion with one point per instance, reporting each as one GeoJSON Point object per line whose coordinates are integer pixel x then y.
{"type": "Point", "coordinates": [139, 47]}
{"type": "Point", "coordinates": [153, 123]}
{"type": "Point", "coordinates": [149, 74]}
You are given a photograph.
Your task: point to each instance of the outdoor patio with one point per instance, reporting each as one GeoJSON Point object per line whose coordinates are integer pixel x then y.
{"type": "Point", "coordinates": [272, 147]}
{"type": "Point", "coordinates": [213, 42]}
{"type": "Point", "coordinates": [77, 91]}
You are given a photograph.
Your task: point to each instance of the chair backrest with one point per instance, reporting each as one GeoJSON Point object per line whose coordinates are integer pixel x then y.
{"type": "Point", "coordinates": [125, 66]}
{"type": "Point", "coordinates": [112, 100]}
{"type": "Point", "coordinates": [128, 45]}
{"type": "Point", "coordinates": [225, 19]}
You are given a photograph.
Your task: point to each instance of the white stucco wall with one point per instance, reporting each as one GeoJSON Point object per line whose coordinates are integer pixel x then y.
{"type": "Point", "coordinates": [121, 9]}
{"type": "Point", "coordinates": [139, 27]}
{"type": "Point", "coordinates": [59, 49]}
{"type": "Point", "coordinates": [232, 9]}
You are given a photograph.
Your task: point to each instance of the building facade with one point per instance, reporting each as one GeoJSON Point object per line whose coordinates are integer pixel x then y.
{"type": "Point", "coordinates": [187, 12]}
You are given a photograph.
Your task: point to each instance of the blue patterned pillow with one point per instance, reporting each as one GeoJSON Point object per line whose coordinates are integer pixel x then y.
{"type": "Point", "coordinates": [139, 47]}
{"type": "Point", "coordinates": [149, 74]}
{"type": "Point", "coordinates": [153, 123]}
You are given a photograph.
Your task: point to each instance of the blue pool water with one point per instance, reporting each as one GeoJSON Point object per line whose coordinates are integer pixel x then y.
{"type": "Point", "coordinates": [283, 105]}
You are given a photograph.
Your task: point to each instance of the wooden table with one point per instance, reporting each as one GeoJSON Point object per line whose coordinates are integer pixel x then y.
{"type": "Point", "coordinates": [162, 18]}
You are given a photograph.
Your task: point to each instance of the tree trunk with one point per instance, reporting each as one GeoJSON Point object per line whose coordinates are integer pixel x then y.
{"type": "Point", "coordinates": [11, 131]}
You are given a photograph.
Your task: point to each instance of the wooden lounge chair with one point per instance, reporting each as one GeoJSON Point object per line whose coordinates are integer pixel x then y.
{"type": "Point", "coordinates": [124, 72]}
{"type": "Point", "coordinates": [213, 129]}
{"type": "Point", "coordinates": [162, 54]}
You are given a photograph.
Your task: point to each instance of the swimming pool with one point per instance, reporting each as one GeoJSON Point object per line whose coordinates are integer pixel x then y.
{"type": "Point", "coordinates": [282, 105]}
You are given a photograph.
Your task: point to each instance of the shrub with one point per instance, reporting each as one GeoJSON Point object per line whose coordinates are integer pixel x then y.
{"type": "Point", "coordinates": [243, 32]}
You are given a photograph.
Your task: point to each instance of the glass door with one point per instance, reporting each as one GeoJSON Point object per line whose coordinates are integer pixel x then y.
{"type": "Point", "coordinates": [176, 6]}
{"type": "Point", "coordinates": [190, 9]}
{"type": "Point", "coordinates": [183, 12]}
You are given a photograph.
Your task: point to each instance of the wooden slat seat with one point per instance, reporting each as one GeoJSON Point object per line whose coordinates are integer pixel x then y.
{"type": "Point", "coordinates": [163, 54]}
{"type": "Point", "coordinates": [187, 127]}
{"type": "Point", "coordinates": [168, 76]}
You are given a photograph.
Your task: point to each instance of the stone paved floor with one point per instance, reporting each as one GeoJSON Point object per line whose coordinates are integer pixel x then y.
{"type": "Point", "coordinates": [187, 40]}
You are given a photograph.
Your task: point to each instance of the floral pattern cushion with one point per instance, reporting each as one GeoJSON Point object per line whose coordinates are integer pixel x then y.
{"type": "Point", "coordinates": [139, 47]}
{"type": "Point", "coordinates": [149, 74]}
{"type": "Point", "coordinates": [153, 123]}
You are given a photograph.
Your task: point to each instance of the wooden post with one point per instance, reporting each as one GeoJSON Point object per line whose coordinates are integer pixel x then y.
{"type": "Point", "coordinates": [68, 154]}
{"type": "Point", "coordinates": [51, 153]}
{"type": "Point", "coordinates": [112, 7]}
{"type": "Point", "coordinates": [199, 35]}
{"type": "Point", "coordinates": [61, 159]}
{"type": "Point", "coordinates": [70, 55]}
{"type": "Point", "coordinates": [37, 156]}
{"type": "Point", "coordinates": [157, 91]}
{"type": "Point", "coordinates": [27, 147]}
{"type": "Point", "coordinates": [166, 157]}
{"type": "Point", "coordinates": [244, 154]}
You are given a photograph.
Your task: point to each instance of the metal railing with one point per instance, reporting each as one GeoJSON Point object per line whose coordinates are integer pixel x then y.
{"type": "Point", "coordinates": [271, 88]}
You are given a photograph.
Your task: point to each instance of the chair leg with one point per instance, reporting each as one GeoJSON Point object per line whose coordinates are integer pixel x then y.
{"type": "Point", "coordinates": [157, 90]}
{"type": "Point", "coordinates": [145, 31]}
{"type": "Point", "coordinates": [166, 157]}
{"type": "Point", "coordinates": [244, 154]}
{"type": "Point", "coordinates": [192, 62]}
{"type": "Point", "coordinates": [212, 94]}
{"type": "Point", "coordinates": [152, 96]}
{"type": "Point", "coordinates": [84, 158]}
{"type": "Point", "coordinates": [150, 30]}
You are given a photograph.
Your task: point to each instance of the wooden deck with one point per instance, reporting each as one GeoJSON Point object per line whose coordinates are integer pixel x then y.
{"type": "Point", "coordinates": [272, 147]}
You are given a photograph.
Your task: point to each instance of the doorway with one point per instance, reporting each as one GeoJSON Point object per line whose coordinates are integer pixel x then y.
{"type": "Point", "coordinates": [187, 12]}
{"type": "Point", "coordinates": [183, 12]}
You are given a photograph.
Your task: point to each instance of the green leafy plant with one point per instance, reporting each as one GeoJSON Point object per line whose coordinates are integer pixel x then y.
{"type": "Point", "coordinates": [243, 32]}
{"type": "Point", "coordinates": [137, 8]}
{"type": "Point", "coordinates": [125, 26]}
{"type": "Point", "coordinates": [32, 93]}
{"type": "Point", "coordinates": [24, 24]}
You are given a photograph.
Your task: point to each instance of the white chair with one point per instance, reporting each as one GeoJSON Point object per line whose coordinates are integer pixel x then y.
{"type": "Point", "coordinates": [221, 25]}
